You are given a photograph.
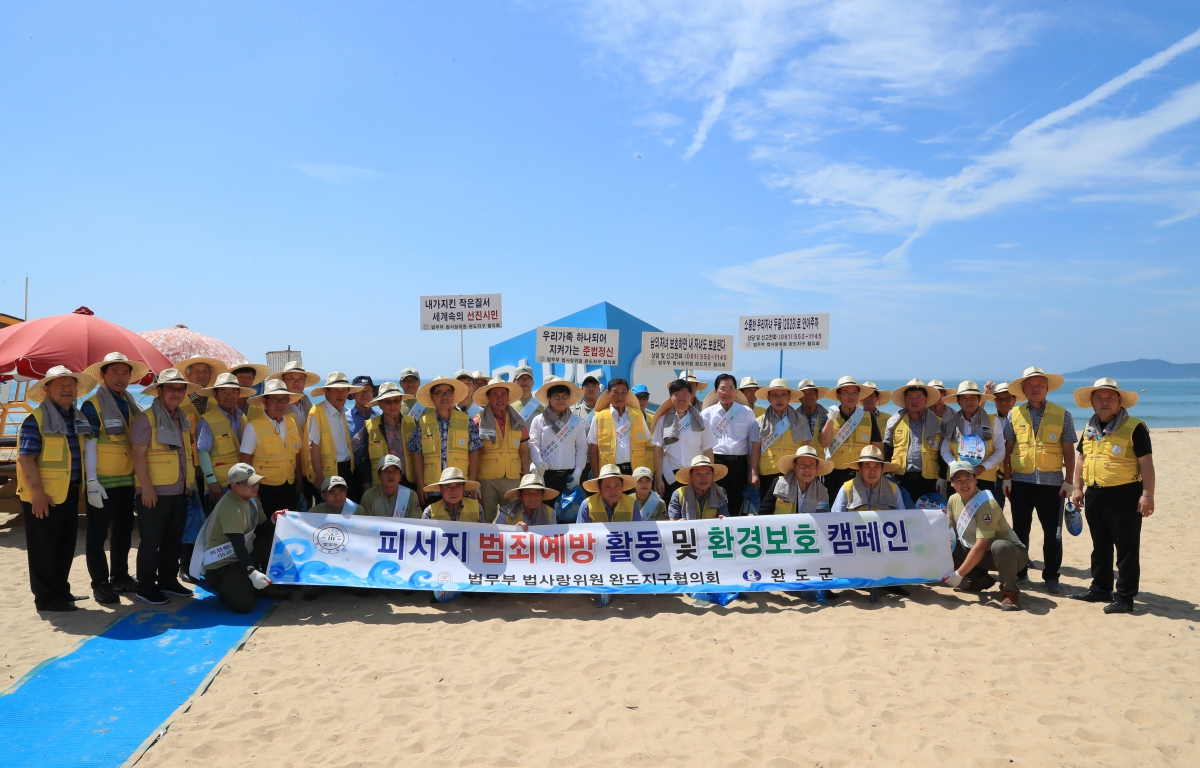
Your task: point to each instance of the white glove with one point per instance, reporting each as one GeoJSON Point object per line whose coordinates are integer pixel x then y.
{"type": "Point", "coordinates": [573, 480]}
{"type": "Point", "coordinates": [1007, 487]}
{"type": "Point", "coordinates": [942, 487]}
{"type": "Point", "coordinates": [259, 580]}
{"type": "Point", "coordinates": [1067, 489]}
{"type": "Point", "coordinates": [96, 494]}
{"type": "Point", "coordinates": [953, 579]}
{"type": "Point", "coordinates": [540, 469]}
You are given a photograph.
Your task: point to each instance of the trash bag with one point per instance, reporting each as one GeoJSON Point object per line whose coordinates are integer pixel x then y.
{"type": "Point", "coordinates": [566, 509]}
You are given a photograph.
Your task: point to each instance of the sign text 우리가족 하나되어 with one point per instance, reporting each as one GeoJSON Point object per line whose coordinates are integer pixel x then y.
{"type": "Point", "coordinates": [589, 346]}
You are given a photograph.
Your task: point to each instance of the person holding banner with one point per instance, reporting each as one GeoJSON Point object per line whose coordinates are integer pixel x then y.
{"type": "Point", "coordinates": [505, 452]}
{"type": "Point", "coordinates": [679, 436]}
{"type": "Point", "coordinates": [558, 444]}
{"type": "Point", "coordinates": [529, 504]}
{"type": "Point", "coordinates": [698, 496]}
{"type": "Point", "coordinates": [736, 439]}
{"type": "Point", "coordinates": [608, 502]}
{"type": "Point", "coordinates": [1114, 484]}
{"type": "Point", "coordinates": [329, 449]}
{"type": "Point", "coordinates": [781, 431]}
{"type": "Point", "coordinates": [335, 498]}
{"type": "Point", "coordinates": [985, 541]}
{"type": "Point", "coordinates": [848, 429]}
{"type": "Point", "coordinates": [913, 439]}
{"type": "Point", "coordinates": [385, 433]}
{"type": "Point", "coordinates": [388, 498]}
{"type": "Point", "coordinates": [272, 444]}
{"type": "Point", "coordinates": [618, 433]}
{"type": "Point", "coordinates": [816, 416]}
{"type": "Point", "coordinates": [798, 491]}
{"type": "Point", "coordinates": [647, 505]}
{"type": "Point", "coordinates": [528, 405]}
{"type": "Point", "coordinates": [452, 502]}
{"type": "Point", "coordinates": [444, 436]}
{"type": "Point", "coordinates": [749, 388]}
{"type": "Point", "coordinates": [973, 431]}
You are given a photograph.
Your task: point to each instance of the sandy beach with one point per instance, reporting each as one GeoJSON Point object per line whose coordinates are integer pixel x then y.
{"type": "Point", "coordinates": [941, 678]}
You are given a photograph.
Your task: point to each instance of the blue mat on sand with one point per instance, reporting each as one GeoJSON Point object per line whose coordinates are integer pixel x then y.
{"type": "Point", "coordinates": [100, 703]}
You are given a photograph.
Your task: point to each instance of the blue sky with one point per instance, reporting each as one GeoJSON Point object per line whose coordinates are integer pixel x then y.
{"type": "Point", "coordinates": [967, 188]}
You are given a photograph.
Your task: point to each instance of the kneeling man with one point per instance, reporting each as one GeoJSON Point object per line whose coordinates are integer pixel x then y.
{"type": "Point", "coordinates": [985, 540]}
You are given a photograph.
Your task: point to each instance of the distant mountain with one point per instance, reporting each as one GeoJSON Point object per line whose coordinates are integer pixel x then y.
{"type": "Point", "coordinates": [1140, 369]}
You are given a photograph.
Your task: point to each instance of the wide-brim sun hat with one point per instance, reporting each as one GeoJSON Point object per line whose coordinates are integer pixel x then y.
{"type": "Point", "coordinates": [604, 401]}
{"type": "Point", "coordinates": [425, 399]}
{"type": "Point", "coordinates": [748, 381]}
{"type": "Point", "coordinates": [1083, 395]}
{"type": "Point", "coordinates": [84, 382]}
{"type": "Point", "coordinates": [540, 394]}
{"type": "Point", "coordinates": [387, 391]}
{"type": "Point", "coordinates": [451, 475]}
{"type": "Point", "coordinates": [872, 454]}
{"type": "Point", "coordinates": [684, 475]}
{"type": "Point", "coordinates": [481, 395]}
{"type": "Point", "coordinates": [261, 371]}
{"type": "Point", "coordinates": [170, 376]}
{"type": "Point", "coordinates": [931, 394]}
{"type": "Point", "coordinates": [711, 398]}
{"type": "Point", "coordinates": [824, 466]}
{"type": "Point", "coordinates": [276, 387]}
{"type": "Point", "coordinates": [138, 369]}
{"type": "Point", "coordinates": [967, 388]}
{"type": "Point", "coordinates": [607, 471]}
{"type": "Point", "coordinates": [942, 389]}
{"type": "Point", "coordinates": [807, 384]}
{"type": "Point", "coordinates": [1053, 380]}
{"type": "Point", "coordinates": [227, 381]}
{"type": "Point", "coordinates": [531, 482]}
{"type": "Point", "coordinates": [690, 378]}
{"type": "Point", "coordinates": [764, 392]}
{"type": "Point", "coordinates": [1002, 388]}
{"type": "Point", "coordinates": [218, 366]}
{"type": "Point", "coordinates": [881, 395]}
{"type": "Point", "coordinates": [310, 377]}
{"type": "Point", "coordinates": [864, 389]}
{"type": "Point", "coordinates": [337, 380]}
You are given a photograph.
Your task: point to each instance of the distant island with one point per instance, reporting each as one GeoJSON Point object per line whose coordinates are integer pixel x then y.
{"type": "Point", "coordinates": [1139, 369]}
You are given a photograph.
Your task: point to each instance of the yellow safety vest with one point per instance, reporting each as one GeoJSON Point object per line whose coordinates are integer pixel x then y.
{"type": "Point", "coordinates": [848, 451]}
{"type": "Point", "coordinates": [53, 463]}
{"type": "Point", "coordinates": [274, 459]}
{"type": "Point", "coordinates": [328, 450]}
{"type": "Point", "coordinates": [784, 445]}
{"type": "Point", "coordinates": [930, 447]}
{"type": "Point", "coordinates": [469, 513]}
{"type": "Point", "coordinates": [709, 513]}
{"type": "Point", "coordinates": [622, 514]}
{"type": "Point", "coordinates": [193, 423]}
{"type": "Point", "coordinates": [1110, 460]}
{"type": "Point", "coordinates": [1041, 451]}
{"type": "Point", "coordinates": [501, 458]}
{"type": "Point", "coordinates": [163, 460]}
{"type": "Point", "coordinates": [458, 439]}
{"type": "Point", "coordinates": [991, 448]}
{"type": "Point", "coordinates": [253, 410]}
{"type": "Point", "coordinates": [227, 446]}
{"type": "Point", "coordinates": [114, 453]}
{"type": "Point", "coordinates": [846, 486]}
{"type": "Point", "coordinates": [641, 452]}
{"type": "Point", "coordinates": [377, 446]}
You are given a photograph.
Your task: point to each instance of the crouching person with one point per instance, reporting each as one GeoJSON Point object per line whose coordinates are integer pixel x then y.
{"type": "Point", "coordinates": [985, 540]}
{"type": "Point", "coordinates": [529, 504]}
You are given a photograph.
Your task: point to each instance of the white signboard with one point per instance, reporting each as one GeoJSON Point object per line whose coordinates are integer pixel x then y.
{"type": "Point", "coordinates": [687, 350]}
{"type": "Point", "coordinates": [463, 312]}
{"type": "Point", "coordinates": [783, 331]}
{"type": "Point", "coordinates": [589, 346]}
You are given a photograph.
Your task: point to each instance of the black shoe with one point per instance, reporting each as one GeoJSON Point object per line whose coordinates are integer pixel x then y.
{"type": "Point", "coordinates": [176, 589]}
{"type": "Point", "coordinates": [188, 578]}
{"type": "Point", "coordinates": [1119, 606]}
{"type": "Point", "coordinates": [77, 598]}
{"type": "Point", "coordinates": [897, 590]}
{"type": "Point", "coordinates": [124, 583]}
{"type": "Point", "coordinates": [152, 596]}
{"type": "Point", "coordinates": [978, 583]}
{"type": "Point", "coordinates": [106, 594]}
{"type": "Point", "coordinates": [59, 606]}
{"type": "Point", "coordinates": [1092, 597]}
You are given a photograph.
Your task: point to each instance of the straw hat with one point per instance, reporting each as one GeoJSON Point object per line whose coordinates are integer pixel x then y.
{"type": "Point", "coordinates": [762, 392]}
{"type": "Point", "coordinates": [1053, 380]}
{"type": "Point", "coordinates": [226, 381]}
{"type": "Point", "coordinates": [712, 399]}
{"type": "Point", "coordinates": [967, 388]}
{"type": "Point", "coordinates": [170, 376]}
{"type": "Point", "coordinates": [871, 453]}
{"type": "Point", "coordinates": [1083, 395]}
{"type": "Point", "coordinates": [481, 395]}
{"type": "Point", "coordinates": [217, 366]}
{"type": "Point", "coordinates": [700, 460]}
{"type": "Point", "coordinates": [260, 370]}
{"type": "Point", "coordinates": [942, 389]}
{"type": "Point", "coordinates": [881, 395]}
{"type": "Point", "coordinates": [1002, 387]}
{"type": "Point", "coordinates": [607, 471]}
{"type": "Point", "coordinates": [690, 378]}
{"type": "Point", "coordinates": [554, 381]}
{"type": "Point", "coordinates": [37, 392]}
{"type": "Point", "coordinates": [423, 397]}
{"type": "Point", "coordinates": [806, 384]}
{"type": "Point", "coordinates": [339, 380]}
{"type": "Point", "coordinates": [138, 369]}
{"type": "Point", "coordinates": [388, 390]}
{"type": "Point", "coordinates": [451, 475]}
{"type": "Point", "coordinates": [631, 401]}
{"type": "Point", "coordinates": [295, 366]}
{"type": "Point", "coordinates": [747, 382]}
{"type": "Point", "coordinates": [531, 483]}
{"type": "Point", "coordinates": [931, 394]}
{"type": "Point", "coordinates": [275, 387]}
{"type": "Point", "coordinates": [806, 451]}
{"type": "Point", "coordinates": [864, 389]}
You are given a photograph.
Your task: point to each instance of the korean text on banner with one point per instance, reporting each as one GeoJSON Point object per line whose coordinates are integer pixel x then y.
{"type": "Point", "coordinates": [783, 331]}
{"type": "Point", "coordinates": [590, 346]}
{"type": "Point", "coordinates": [852, 550]}
{"type": "Point", "coordinates": [462, 312]}
{"type": "Point", "coordinates": [687, 350]}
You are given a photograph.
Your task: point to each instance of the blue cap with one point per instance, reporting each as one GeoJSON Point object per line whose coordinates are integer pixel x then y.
{"type": "Point", "coordinates": [639, 389]}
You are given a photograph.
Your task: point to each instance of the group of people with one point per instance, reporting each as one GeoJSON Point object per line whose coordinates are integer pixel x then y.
{"type": "Point", "coordinates": [211, 462]}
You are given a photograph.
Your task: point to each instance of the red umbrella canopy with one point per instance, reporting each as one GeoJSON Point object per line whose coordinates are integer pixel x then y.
{"type": "Point", "coordinates": [180, 343]}
{"type": "Point", "coordinates": [76, 340]}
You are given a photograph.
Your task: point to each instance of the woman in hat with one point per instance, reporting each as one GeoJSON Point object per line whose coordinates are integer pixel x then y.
{"type": "Point", "coordinates": [558, 444]}
{"type": "Point", "coordinates": [698, 496]}
{"type": "Point", "coordinates": [387, 497]}
{"type": "Point", "coordinates": [679, 435]}
{"type": "Point", "coordinates": [737, 441]}
{"type": "Point", "coordinates": [504, 455]}
{"type": "Point", "coordinates": [108, 464]}
{"type": "Point", "coordinates": [453, 503]}
{"type": "Point", "coordinates": [608, 502]}
{"type": "Point", "coordinates": [781, 431]}
{"type": "Point", "coordinates": [1039, 439]}
{"type": "Point", "coordinates": [1114, 484]}
{"type": "Point", "coordinates": [329, 445]}
{"type": "Point", "coordinates": [50, 451]}
{"type": "Point", "coordinates": [271, 443]}
{"type": "Point", "coordinates": [444, 437]}
{"type": "Point", "coordinates": [848, 429]}
{"type": "Point", "coordinates": [987, 542]}
{"type": "Point", "coordinates": [798, 491]}
{"type": "Point", "coordinates": [972, 419]}
{"type": "Point", "coordinates": [647, 505]}
{"type": "Point", "coordinates": [385, 432]}
{"type": "Point", "coordinates": [870, 491]}
{"type": "Point", "coordinates": [528, 506]}
{"type": "Point", "coordinates": [913, 439]}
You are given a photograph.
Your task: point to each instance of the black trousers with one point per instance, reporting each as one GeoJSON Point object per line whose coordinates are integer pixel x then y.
{"type": "Point", "coordinates": [916, 485]}
{"type": "Point", "coordinates": [734, 483]}
{"type": "Point", "coordinates": [272, 498]}
{"type": "Point", "coordinates": [766, 490]}
{"type": "Point", "coordinates": [1001, 499]}
{"type": "Point", "coordinates": [231, 583]}
{"type": "Point", "coordinates": [1027, 497]}
{"type": "Point", "coordinates": [354, 484]}
{"type": "Point", "coordinates": [50, 547]}
{"type": "Point", "coordinates": [1114, 522]}
{"type": "Point", "coordinates": [161, 532]}
{"type": "Point", "coordinates": [835, 480]}
{"type": "Point", "coordinates": [557, 478]}
{"type": "Point", "coordinates": [986, 485]}
{"type": "Point", "coordinates": [116, 515]}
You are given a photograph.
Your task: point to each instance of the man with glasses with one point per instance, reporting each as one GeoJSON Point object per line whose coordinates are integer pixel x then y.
{"type": "Point", "coordinates": [737, 445]}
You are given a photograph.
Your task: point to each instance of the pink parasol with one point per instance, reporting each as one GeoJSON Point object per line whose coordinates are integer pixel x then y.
{"type": "Point", "coordinates": [180, 343]}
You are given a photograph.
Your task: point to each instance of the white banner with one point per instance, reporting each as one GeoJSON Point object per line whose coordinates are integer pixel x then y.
{"type": "Point", "coordinates": [783, 331]}
{"type": "Point", "coordinates": [589, 346]}
{"type": "Point", "coordinates": [750, 554]}
{"type": "Point", "coordinates": [686, 350]}
{"type": "Point", "coordinates": [462, 312]}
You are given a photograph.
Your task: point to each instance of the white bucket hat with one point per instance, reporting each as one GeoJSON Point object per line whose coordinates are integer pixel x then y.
{"type": "Point", "coordinates": [260, 370]}
{"type": "Point", "coordinates": [338, 380]}
{"type": "Point", "coordinates": [275, 387]}
{"type": "Point", "coordinates": [864, 389]}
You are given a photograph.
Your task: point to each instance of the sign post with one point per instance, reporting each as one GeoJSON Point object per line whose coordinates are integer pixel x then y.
{"type": "Point", "coordinates": [461, 312]}
{"type": "Point", "coordinates": [783, 332]}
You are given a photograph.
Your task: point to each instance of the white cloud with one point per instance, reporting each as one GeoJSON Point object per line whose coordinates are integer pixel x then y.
{"type": "Point", "coordinates": [337, 174]}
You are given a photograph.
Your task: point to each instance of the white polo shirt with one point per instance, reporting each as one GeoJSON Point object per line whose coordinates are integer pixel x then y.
{"type": "Point", "coordinates": [738, 432]}
{"type": "Point", "coordinates": [337, 419]}
{"type": "Point", "coordinates": [570, 455]}
{"type": "Point", "coordinates": [619, 421]}
{"type": "Point", "coordinates": [680, 453]}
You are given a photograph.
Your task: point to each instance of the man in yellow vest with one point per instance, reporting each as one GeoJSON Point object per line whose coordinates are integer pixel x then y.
{"type": "Point", "coordinates": [163, 463]}
{"type": "Point", "coordinates": [913, 439]}
{"type": "Point", "coordinates": [249, 375]}
{"type": "Point", "coordinates": [528, 506]}
{"type": "Point", "coordinates": [1039, 439]}
{"type": "Point", "coordinates": [504, 454]}
{"type": "Point", "coordinates": [737, 440]}
{"type": "Point", "coordinates": [444, 436]}
{"type": "Point", "coordinates": [698, 496]}
{"type": "Point", "coordinates": [1114, 485]}
{"type": "Point", "coordinates": [386, 432]}
{"type": "Point", "coordinates": [219, 435]}
{"type": "Point", "coordinates": [870, 404]}
{"type": "Point", "coordinates": [108, 468]}
{"type": "Point", "coordinates": [869, 490]}
{"type": "Point", "coordinates": [297, 379]}
{"type": "Point", "coordinates": [329, 445]}
{"type": "Point", "coordinates": [848, 429]}
{"type": "Point", "coordinates": [608, 502]}
{"type": "Point", "coordinates": [49, 475]}
{"type": "Point", "coordinates": [799, 489]}
{"type": "Point", "coordinates": [449, 500]}
{"type": "Point", "coordinates": [271, 443]}
{"type": "Point", "coordinates": [748, 386]}
{"type": "Point", "coordinates": [618, 433]}
{"type": "Point", "coordinates": [972, 420]}
{"type": "Point", "coordinates": [781, 431]}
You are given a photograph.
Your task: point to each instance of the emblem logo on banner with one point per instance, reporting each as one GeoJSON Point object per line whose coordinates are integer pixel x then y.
{"type": "Point", "coordinates": [331, 538]}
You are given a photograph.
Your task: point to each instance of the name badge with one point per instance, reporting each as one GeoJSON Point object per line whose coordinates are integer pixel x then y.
{"type": "Point", "coordinates": [486, 434]}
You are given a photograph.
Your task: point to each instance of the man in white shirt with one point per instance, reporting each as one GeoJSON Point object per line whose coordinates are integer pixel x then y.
{"type": "Point", "coordinates": [558, 447]}
{"type": "Point", "coordinates": [736, 440]}
{"type": "Point", "coordinates": [329, 430]}
{"type": "Point", "coordinates": [679, 436]}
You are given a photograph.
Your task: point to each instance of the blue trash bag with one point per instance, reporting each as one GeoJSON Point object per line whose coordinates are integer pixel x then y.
{"type": "Point", "coordinates": [445, 595]}
{"type": "Point", "coordinates": [931, 501]}
{"type": "Point", "coordinates": [194, 519]}
{"type": "Point", "coordinates": [750, 501]}
{"type": "Point", "coordinates": [566, 509]}
{"type": "Point", "coordinates": [720, 598]}
{"type": "Point", "coordinates": [1073, 518]}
